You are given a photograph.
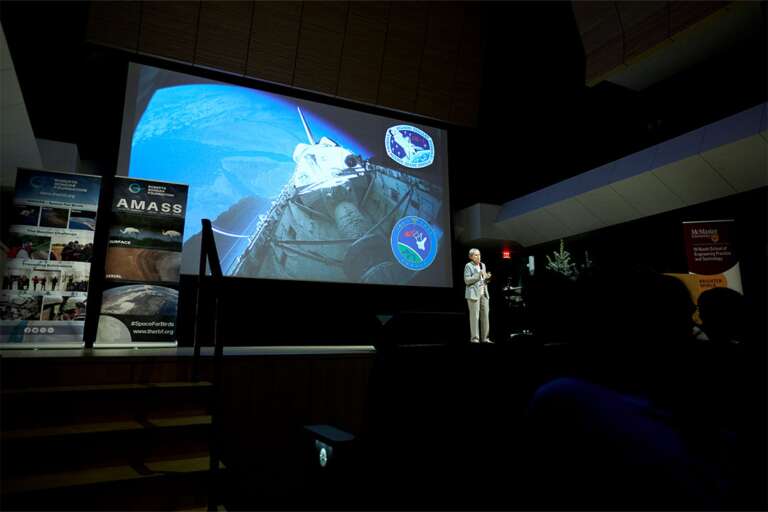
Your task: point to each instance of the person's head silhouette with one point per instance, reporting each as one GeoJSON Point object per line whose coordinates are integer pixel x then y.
{"type": "Point", "coordinates": [721, 312]}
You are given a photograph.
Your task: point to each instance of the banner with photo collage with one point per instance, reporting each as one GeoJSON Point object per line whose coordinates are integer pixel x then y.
{"type": "Point", "coordinates": [50, 245]}
{"type": "Point", "coordinates": [143, 262]}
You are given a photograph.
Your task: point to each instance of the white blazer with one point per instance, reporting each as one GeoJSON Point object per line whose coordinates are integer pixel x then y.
{"type": "Point", "coordinates": [473, 281]}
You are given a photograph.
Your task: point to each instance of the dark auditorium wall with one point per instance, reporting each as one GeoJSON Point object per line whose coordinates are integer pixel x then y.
{"type": "Point", "coordinates": [418, 57]}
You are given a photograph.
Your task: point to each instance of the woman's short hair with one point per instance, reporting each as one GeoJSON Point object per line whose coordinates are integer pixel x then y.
{"type": "Point", "coordinates": [473, 251]}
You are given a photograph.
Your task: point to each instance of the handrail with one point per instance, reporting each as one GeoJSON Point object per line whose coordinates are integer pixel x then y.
{"type": "Point", "coordinates": [209, 257]}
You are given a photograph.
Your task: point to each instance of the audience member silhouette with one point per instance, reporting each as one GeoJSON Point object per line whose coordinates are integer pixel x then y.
{"type": "Point", "coordinates": [722, 315]}
{"type": "Point", "coordinates": [635, 426]}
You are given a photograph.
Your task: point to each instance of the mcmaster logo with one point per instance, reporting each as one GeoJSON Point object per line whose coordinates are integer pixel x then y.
{"type": "Point", "coordinates": [709, 233]}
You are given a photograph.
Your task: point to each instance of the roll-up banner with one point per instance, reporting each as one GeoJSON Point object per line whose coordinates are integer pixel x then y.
{"type": "Point", "coordinates": [50, 244]}
{"type": "Point", "coordinates": [712, 259]}
{"type": "Point", "coordinates": [711, 255]}
{"type": "Point", "coordinates": [143, 261]}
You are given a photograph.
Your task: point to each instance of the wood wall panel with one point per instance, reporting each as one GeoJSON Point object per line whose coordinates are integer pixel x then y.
{"type": "Point", "coordinates": [406, 36]}
{"type": "Point", "coordinates": [363, 51]}
{"type": "Point", "coordinates": [438, 63]}
{"type": "Point", "coordinates": [684, 14]}
{"type": "Point", "coordinates": [419, 57]}
{"type": "Point", "coordinates": [467, 82]}
{"type": "Point", "coordinates": [274, 39]}
{"type": "Point", "coordinates": [616, 33]}
{"type": "Point", "coordinates": [645, 25]}
{"type": "Point", "coordinates": [169, 29]}
{"type": "Point", "coordinates": [115, 24]}
{"type": "Point", "coordinates": [321, 40]}
{"type": "Point", "coordinates": [598, 23]}
{"type": "Point", "coordinates": [223, 37]}
{"type": "Point", "coordinates": [604, 59]}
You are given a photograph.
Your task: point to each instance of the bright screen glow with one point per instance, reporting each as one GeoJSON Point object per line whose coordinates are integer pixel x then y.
{"type": "Point", "coordinates": [294, 189]}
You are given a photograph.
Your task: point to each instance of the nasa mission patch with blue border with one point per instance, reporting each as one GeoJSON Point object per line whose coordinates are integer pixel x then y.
{"type": "Point", "coordinates": [409, 146]}
{"type": "Point", "coordinates": [413, 242]}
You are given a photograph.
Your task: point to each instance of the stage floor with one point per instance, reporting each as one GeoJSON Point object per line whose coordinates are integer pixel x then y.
{"type": "Point", "coordinates": [184, 352]}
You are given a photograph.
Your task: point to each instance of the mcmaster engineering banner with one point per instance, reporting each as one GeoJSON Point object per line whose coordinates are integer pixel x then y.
{"type": "Point", "coordinates": [142, 264]}
{"type": "Point", "coordinates": [50, 245]}
{"type": "Point", "coordinates": [711, 255]}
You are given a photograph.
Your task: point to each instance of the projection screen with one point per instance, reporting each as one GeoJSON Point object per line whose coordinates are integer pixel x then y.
{"type": "Point", "coordinates": [295, 189]}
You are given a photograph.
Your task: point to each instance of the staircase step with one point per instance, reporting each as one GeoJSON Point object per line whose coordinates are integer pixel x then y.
{"type": "Point", "coordinates": [74, 446]}
{"type": "Point", "coordinates": [189, 465]}
{"type": "Point", "coordinates": [180, 421]}
{"type": "Point", "coordinates": [104, 427]}
{"type": "Point", "coordinates": [105, 475]}
{"type": "Point", "coordinates": [100, 388]}
{"type": "Point", "coordinates": [185, 485]}
{"type": "Point", "coordinates": [76, 429]}
{"type": "Point", "coordinates": [31, 392]}
{"type": "Point", "coordinates": [177, 385]}
{"type": "Point", "coordinates": [72, 479]}
{"type": "Point", "coordinates": [28, 408]}
{"type": "Point", "coordinates": [49, 368]}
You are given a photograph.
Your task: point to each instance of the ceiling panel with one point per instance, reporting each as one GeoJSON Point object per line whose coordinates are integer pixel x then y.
{"type": "Point", "coordinates": [546, 225]}
{"type": "Point", "coordinates": [693, 180]}
{"type": "Point", "coordinates": [18, 147]}
{"type": "Point", "coordinates": [5, 54]}
{"type": "Point", "coordinates": [648, 194]}
{"type": "Point", "coordinates": [574, 216]}
{"type": "Point", "coordinates": [10, 92]}
{"type": "Point", "coordinates": [665, 177]}
{"type": "Point", "coordinates": [733, 128]}
{"type": "Point", "coordinates": [679, 148]}
{"type": "Point", "coordinates": [634, 164]}
{"type": "Point", "coordinates": [520, 231]}
{"type": "Point", "coordinates": [608, 206]}
{"type": "Point", "coordinates": [742, 163]}
{"type": "Point", "coordinates": [17, 150]}
{"type": "Point", "coordinates": [14, 119]}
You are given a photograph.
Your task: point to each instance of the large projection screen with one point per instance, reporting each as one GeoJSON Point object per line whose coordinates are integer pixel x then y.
{"type": "Point", "coordinates": [295, 189]}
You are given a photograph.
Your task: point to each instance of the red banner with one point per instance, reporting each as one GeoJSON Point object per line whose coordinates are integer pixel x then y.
{"type": "Point", "coordinates": [709, 246]}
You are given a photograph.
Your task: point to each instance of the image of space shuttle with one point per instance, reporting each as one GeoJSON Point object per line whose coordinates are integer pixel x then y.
{"type": "Point", "coordinates": [332, 221]}
{"type": "Point", "coordinates": [404, 142]}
